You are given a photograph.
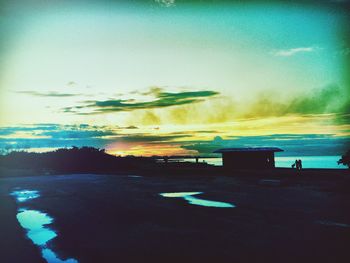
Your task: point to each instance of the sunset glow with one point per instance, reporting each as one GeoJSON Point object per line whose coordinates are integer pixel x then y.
{"type": "Point", "coordinates": [167, 77]}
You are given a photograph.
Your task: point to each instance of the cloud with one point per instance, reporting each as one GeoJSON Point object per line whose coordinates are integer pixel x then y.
{"type": "Point", "coordinates": [160, 99]}
{"type": "Point", "coordinates": [131, 127]}
{"type": "Point", "coordinates": [329, 105]}
{"type": "Point", "coordinates": [47, 94]}
{"type": "Point", "coordinates": [292, 144]}
{"type": "Point", "coordinates": [117, 139]}
{"type": "Point", "coordinates": [166, 3]}
{"type": "Point", "coordinates": [71, 84]}
{"type": "Point", "coordinates": [326, 100]}
{"type": "Point", "coordinates": [293, 51]}
{"type": "Point", "coordinates": [329, 100]}
{"type": "Point", "coordinates": [148, 138]}
{"type": "Point", "coordinates": [5, 131]}
{"type": "Point", "coordinates": [77, 134]}
{"type": "Point", "coordinates": [53, 136]}
{"type": "Point", "coordinates": [56, 131]}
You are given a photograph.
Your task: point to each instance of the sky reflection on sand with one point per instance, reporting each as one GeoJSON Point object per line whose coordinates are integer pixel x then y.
{"type": "Point", "coordinates": [25, 195]}
{"type": "Point", "coordinates": [51, 257]}
{"type": "Point", "coordinates": [330, 223]}
{"type": "Point", "coordinates": [34, 222]}
{"type": "Point", "coordinates": [134, 176]}
{"type": "Point", "coordinates": [191, 199]}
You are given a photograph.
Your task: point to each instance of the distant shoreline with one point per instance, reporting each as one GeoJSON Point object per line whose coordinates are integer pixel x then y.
{"type": "Point", "coordinates": [309, 161]}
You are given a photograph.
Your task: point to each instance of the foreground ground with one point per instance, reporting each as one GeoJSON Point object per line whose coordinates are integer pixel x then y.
{"type": "Point", "coordinates": [121, 218]}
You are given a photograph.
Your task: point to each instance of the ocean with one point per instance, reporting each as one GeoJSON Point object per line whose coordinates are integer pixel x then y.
{"type": "Point", "coordinates": [287, 161]}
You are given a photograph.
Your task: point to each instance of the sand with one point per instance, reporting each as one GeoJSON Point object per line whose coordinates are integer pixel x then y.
{"type": "Point", "coordinates": [121, 218]}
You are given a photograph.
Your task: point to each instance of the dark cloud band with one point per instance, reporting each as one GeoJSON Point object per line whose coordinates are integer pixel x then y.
{"type": "Point", "coordinates": [161, 99]}
{"type": "Point", "coordinates": [47, 94]}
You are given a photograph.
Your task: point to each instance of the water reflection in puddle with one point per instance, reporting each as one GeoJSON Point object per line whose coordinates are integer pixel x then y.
{"type": "Point", "coordinates": [35, 223]}
{"type": "Point", "coordinates": [51, 257]}
{"type": "Point", "coordinates": [330, 223]}
{"type": "Point", "coordinates": [191, 199]}
{"type": "Point", "coordinates": [134, 176]}
{"type": "Point", "coordinates": [25, 195]}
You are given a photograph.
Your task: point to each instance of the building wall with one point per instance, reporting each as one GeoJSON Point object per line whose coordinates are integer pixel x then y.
{"type": "Point", "coordinates": [249, 160]}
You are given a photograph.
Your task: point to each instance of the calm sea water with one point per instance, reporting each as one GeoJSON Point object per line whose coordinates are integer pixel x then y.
{"type": "Point", "coordinates": [308, 161]}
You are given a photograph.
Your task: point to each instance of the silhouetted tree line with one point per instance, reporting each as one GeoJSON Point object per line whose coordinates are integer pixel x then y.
{"type": "Point", "coordinates": [345, 159]}
{"type": "Point", "coordinates": [85, 159]}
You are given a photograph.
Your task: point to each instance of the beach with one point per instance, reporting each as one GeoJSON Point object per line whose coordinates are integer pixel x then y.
{"type": "Point", "coordinates": [112, 218]}
{"type": "Point", "coordinates": [313, 162]}
{"type": "Point", "coordinates": [175, 131]}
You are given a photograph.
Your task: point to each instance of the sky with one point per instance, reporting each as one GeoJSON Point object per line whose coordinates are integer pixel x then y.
{"type": "Point", "coordinates": [167, 77]}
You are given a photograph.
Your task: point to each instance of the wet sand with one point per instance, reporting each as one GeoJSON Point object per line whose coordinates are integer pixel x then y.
{"type": "Point", "coordinates": [121, 218]}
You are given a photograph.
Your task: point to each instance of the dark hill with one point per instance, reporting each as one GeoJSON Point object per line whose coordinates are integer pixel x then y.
{"type": "Point", "coordinates": [74, 160]}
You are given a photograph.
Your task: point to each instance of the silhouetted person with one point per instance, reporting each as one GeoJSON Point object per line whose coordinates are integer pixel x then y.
{"type": "Point", "coordinates": [298, 165]}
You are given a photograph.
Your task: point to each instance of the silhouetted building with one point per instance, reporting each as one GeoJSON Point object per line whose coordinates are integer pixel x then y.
{"type": "Point", "coordinates": [249, 158]}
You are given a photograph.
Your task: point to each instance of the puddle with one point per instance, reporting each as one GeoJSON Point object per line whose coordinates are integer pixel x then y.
{"type": "Point", "coordinates": [180, 194]}
{"type": "Point", "coordinates": [35, 223]}
{"type": "Point", "coordinates": [25, 195]}
{"type": "Point", "coordinates": [51, 257]}
{"type": "Point", "coordinates": [135, 176]}
{"type": "Point", "coordinates": [191, 199]}
{"type": "Point", "coordinates": [330, 223]}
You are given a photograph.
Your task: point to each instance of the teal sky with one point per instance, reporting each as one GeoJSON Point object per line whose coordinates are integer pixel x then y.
{"type": "Point", "coordinates": [175, 66]}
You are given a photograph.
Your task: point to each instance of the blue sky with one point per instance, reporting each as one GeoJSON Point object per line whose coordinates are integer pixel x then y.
{"type": "Point", "coordinates": [172, 67]}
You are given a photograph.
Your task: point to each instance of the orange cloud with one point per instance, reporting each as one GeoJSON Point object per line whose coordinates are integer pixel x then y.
{"type": "Point", "coordinates": [147, 149]}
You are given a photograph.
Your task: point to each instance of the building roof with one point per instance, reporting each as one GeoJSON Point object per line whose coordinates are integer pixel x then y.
{"type": "Point", "coordinates": [249, 149]}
